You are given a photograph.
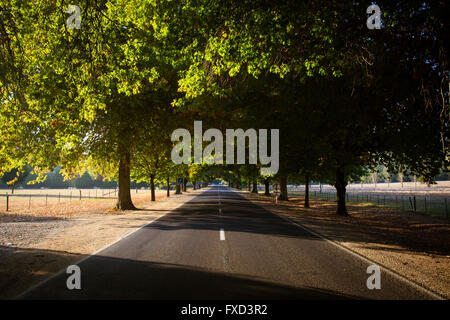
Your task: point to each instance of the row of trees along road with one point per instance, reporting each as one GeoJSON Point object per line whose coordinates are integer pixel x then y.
{"type": "Point", "coordinates": [107, 96]}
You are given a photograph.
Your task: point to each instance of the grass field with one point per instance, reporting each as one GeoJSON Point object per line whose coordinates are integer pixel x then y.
{"type": "Point", "coordinates": [418, 198]}
{"type": "Point", "coordinates": [60, 202]}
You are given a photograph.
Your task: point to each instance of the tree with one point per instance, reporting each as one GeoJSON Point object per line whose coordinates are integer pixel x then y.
{"type": "Point", "coordinates": [16, 177]}
{"type": "Point", "coordinates": [82, 92]}
{"type": "Point", "coordinates": [84, 181]}
{"type": "Point", "coordinates": [55, 179]}
{"type": "Point", "coordinates": [151, 160]}
{"type": "Point", "coordinates": [267, 181]}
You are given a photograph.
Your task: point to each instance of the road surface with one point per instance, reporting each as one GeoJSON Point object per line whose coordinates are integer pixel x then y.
{"type": "Point", "coordinates": [219, 245]}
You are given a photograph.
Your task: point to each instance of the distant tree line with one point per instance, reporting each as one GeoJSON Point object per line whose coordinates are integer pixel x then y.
{"type": "Point", "coordinates": [55, 180]}
{"type": "Point", "coordinates": [381, 174]}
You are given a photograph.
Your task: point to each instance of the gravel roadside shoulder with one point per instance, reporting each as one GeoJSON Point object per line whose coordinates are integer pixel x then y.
{"type": "Point", "coordinates": [34, 249]}
{"type": "Point", "coordinates": [416, 247]}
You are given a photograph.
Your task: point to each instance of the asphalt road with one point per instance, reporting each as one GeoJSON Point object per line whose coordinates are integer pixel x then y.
{"type": "Point", "coordinates": [221, 246]}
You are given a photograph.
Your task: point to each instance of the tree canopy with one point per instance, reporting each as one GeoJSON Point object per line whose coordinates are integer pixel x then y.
{"type": "Point", "coordinates": [106, 96]}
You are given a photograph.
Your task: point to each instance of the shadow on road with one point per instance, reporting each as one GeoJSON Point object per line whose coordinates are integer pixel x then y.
{"type": "Point", "coordinates": [112, 278]}
{"type": "Point", "coordinates": [238, 215]}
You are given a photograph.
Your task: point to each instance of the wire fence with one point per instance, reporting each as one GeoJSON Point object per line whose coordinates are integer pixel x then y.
{"type": "Point", "coordinates": [30, 198]}
{"type": "Point", "coordinates": [420, 204]}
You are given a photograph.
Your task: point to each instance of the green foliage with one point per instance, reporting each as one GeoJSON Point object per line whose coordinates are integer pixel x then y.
{"type": "Point", "coordinates": [84, 181]}
{"type": "Point", "coordinates": [16, 177]}
{"type": "Point", "coordinates": [346, 99]}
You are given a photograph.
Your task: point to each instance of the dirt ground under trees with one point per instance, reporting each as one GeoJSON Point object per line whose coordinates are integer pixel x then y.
{"type": "Point", "coordinates": [415, 246]}
{"type": "Point", "coordinates": [33, 247]}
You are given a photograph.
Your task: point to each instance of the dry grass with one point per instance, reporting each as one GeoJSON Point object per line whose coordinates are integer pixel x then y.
{"type": "Point", "coordinates": [40, 249]}
{"type": "Point", "coordinates": [416, 246]}
{"type": "Point", "coordinates": [439, 190]}
{"type": "Point", "coordinates": [415, 232]}
{"type": "Point", "coordinates": [66, 206]}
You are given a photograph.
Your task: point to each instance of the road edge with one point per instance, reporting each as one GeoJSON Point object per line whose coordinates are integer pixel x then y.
{"type": "Point", "coordinates": [388, 270]}
{"type": "Point", "coordinates": [22, 295]}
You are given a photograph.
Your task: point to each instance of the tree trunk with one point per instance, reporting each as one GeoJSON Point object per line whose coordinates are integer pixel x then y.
{"type": "Point", "coordinates": [255, 187]}
{"type": "Point", "coordinates": [152, 186]}
{"type": "Point", "coordinates": [194, 183]}
{"type": "Point", "coordinates": [168, 186]}
{"type": "Point", "coordinates": [184, 184]}
{"type": "Point", "coordinates": [249, 185]}
{"type": "Point", "coordinates": [266, 187]}
{"type": "Point", "coordinates": [124, 198]}
{"type": "Point", "coordinates": [177, 188]}
{"type": "Point", "coordinates": [340, 186]}
{"type": "Point", "coordinates": [12, 189]}
{"type": "Point", "coordinates": [307, 192]}
{"type": "Point", "coordinates": [283, 188]}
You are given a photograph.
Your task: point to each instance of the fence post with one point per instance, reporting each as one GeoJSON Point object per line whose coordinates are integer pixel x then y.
{"type": "Point", "coordinates": [59, 197]}
{"type": "Point", "coordinates": [80, 194]}
{"type": "Point", "coordinates": [29, 202]}
{"type": "Point", "coordinates": [415, 206]}
{"type": "Point", "coordinates": [7, 202]}
{"type": "Point", "coordinates": [46, 199]}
